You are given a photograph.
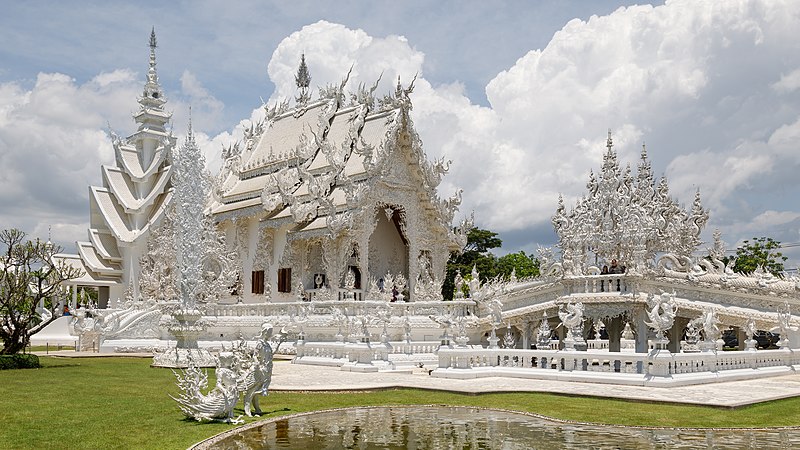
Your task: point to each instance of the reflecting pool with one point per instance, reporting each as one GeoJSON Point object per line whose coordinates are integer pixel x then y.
{"type": "Point", "coordinates": [445, 427]}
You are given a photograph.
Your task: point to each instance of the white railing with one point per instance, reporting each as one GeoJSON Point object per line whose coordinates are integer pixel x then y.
{"type": "Point", "coordinates": [593, 361]}
{"type": "Point", "coordinates": [336, 350]}
{"type": "Point", "coordinates": [654, 364]}
{"type": "Point", "coordinates": [456, 308]}
{"type": "Point", "coordinates": [598, 284]}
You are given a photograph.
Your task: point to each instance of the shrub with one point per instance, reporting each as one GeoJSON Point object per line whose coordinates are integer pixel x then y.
{"type": "Point", "coordinates": [19, 361]}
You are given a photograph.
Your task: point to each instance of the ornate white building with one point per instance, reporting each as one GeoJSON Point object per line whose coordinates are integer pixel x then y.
{"type": "Point", "coordinates": [132, 200]}
{"type": "Point", "coordinates": [334, 198]}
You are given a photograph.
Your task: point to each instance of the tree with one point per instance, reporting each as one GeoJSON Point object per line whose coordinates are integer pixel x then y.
{"type": "Point", "coordinates": [760, 253]}
{"type": "Point", "coordinates": [521, 264]}
{"type": "Point", "coordinates": [475, 254]}
{"type": "Point", "coordinates": [30, 288]}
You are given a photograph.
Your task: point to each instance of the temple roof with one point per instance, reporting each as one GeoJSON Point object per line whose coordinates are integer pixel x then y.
{"type": "Point", "coordinates": [312, 163]}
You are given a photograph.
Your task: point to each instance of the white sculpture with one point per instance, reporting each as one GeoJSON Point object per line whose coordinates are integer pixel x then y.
{"type": "Point", "coordinates": [543, 334]}
{"type": "Point", "coordinates": [711, 331]}
{"type": "Point", "coordinates": [750, 330]}
{"type": "Point", "coordinates": [255, 374]}
{"type": "Point", "coordinates": [216, 405]}
{"type": "Point", "coordinates": [572, 318]}
{"type": "Point", "coordinates": [662, 314]}
{"type": "Point", "coordinates": [508, 339]}
{"type": "Point", "coordinates": [784, 320]}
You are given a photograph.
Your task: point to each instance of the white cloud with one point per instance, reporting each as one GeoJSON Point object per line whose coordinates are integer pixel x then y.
{"type": "Point", "coordinates": [52, 142]}
{"type": "Point", "coordinates": [789, 82]}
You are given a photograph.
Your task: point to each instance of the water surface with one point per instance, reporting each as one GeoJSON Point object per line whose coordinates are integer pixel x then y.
{"type": "Point", "coordinates": [445, 427]}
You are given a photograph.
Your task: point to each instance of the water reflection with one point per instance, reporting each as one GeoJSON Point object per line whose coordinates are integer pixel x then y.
{"type": "Point", "coordinates": [423, 427]}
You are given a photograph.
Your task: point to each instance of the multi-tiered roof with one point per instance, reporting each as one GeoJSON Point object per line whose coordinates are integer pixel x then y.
{"type": "Point", "coordinates": [135, 191]}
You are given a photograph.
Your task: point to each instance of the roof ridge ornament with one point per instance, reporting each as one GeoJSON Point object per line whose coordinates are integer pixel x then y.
{"type": "Point", "coordinates": [152, 97]}
{"type": "Point", "coordinates": [303, 81]}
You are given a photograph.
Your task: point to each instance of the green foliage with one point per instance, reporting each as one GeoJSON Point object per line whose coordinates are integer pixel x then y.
{"type": "Point", "coordinates": [477, 253]}
{"type": "Point", "coordinates": [523, 265]}
{"type": "Point", "coordinates": [19, 361]}
{"type": "Point", "coordinates": [30, 276]}
{"type": "Point", "coordinates": [760, 253]}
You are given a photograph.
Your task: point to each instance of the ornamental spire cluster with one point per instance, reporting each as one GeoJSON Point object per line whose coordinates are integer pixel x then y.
{"type": "Point", "coordinates": [303, 80]}
{"type": "Point", "coordinates": [627, 218]}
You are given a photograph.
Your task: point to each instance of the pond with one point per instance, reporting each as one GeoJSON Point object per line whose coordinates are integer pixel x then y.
{"type": "Point", "coordinates": [445, 427]}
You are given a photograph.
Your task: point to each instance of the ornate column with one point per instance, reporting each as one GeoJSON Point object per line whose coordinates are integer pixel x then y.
{"type": "Point", "coordinates": [675, 334]}
{"type": "Point", "coordinates": [639, 318]}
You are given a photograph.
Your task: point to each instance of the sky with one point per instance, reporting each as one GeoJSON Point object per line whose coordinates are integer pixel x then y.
{"type": "Point", "coordinates": [518, 94]}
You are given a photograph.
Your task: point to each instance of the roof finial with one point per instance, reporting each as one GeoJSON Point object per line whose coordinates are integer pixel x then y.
{"type": "Point", "coordinates": [190, 135]}
{"type": "Point", "coordinates": [609, 142]}
{"type": "Point", "coordinates": [153, 43]}
{"type": "Point", "coordinates": [303, 80]}
{"type": "Point", "coordinates": [152, 96]}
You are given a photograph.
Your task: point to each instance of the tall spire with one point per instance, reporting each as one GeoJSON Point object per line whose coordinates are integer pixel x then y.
{"type": "Point", "coordinates": [152, 96]}
{"type": "Point", "coordinates": [303, 80]}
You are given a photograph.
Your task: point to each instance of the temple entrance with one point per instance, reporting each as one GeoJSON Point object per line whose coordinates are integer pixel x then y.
{"type": "Point", "coordinates": [388, 247]}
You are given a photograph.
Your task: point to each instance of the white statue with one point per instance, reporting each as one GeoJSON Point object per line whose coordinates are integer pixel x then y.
{"type": "Point", "coordinates": [572, 318]}
{"type": "Point", "coordinates": [543, 334]}
{"type": "Point", "coordinates": [662, 313]}
{"type": "Point", "coordinates": [254, 377]}
{"type": "Point", "coordinates": [217, 405]}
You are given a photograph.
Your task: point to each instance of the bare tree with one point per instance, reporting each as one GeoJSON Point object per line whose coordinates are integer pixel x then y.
{"type": "Point", "coordinates": [31, 288]}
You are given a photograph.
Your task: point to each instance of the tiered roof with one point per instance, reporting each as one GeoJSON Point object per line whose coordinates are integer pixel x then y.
{"type": "Point", "coordinates": [312, 165]}
{"type": "Point", "coordinates": [136, 191]}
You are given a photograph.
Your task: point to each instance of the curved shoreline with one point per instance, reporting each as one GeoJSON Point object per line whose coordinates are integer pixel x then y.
{"type": "Point", "coordinates": [206, 443]}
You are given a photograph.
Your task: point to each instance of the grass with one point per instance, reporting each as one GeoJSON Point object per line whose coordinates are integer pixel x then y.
{"type": "Point", "coordinates": [123, 403]}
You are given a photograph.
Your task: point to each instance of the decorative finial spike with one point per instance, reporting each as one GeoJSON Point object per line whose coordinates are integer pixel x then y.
{"type": "Point", "coordinates": [609, 142]}
{"type": "Point", "coordinates": [190, 136]}
{"type": "Point", "coordinates": [153, 43]}
{"type": "Point", "coordinates": [303, 80]}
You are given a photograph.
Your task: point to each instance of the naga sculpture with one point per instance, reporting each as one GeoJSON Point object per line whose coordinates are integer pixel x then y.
{"type": "Point", "coordinates": [572, 318]}
{"type": "Point", "coordinates": [216, 405]}
{"type": "Point", "coordinates": [662, 313]}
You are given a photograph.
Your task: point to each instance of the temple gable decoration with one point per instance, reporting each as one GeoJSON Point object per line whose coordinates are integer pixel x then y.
{"type": "Point", "coordinates": [626, 217]}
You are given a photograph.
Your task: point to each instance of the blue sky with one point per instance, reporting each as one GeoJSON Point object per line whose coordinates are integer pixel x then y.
{"type": "Point", "coordinates": [518, 94]}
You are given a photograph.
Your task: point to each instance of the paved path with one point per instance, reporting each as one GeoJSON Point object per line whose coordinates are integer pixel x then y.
{"type": "Point", "coordinates": [300, 377]}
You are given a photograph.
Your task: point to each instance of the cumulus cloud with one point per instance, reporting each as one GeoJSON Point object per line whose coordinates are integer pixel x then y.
{"type": "Point", "coordinates": [52, 140]}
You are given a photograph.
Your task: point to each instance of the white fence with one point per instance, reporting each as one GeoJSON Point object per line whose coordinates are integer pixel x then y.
{"type": "Point", "coordinates": [655, 368]}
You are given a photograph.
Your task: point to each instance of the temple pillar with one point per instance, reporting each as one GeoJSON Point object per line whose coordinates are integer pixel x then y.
{"type": "Point", "coordinates": [741, 336]}
{"type": "Point", "coordinates": [562, 334]}
{"type": "Point", "coordinates": [614, 329]}
{"type": "Point", "coordinates": [676, 333]}
{"type": "Point", "coordinates": [526, 331]}
{"type": "Point", "coordinates": [640, 329]}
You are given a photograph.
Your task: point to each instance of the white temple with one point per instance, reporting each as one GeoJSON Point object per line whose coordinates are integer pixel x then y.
{"type": "Point", "coordinates": [325, 220]}
{"type": "Point", "coordinates": [132, 200]}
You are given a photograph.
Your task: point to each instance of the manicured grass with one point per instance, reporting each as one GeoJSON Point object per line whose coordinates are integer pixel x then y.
{"type": "Point", "coordinates": [123, 403]}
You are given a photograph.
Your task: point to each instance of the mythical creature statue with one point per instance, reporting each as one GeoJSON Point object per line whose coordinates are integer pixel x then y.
{"type": "Point", "coordinates": [662, 313]}
{"type": "Point", "coordinates": [710, 326]}
{"type": "Point", "coordinates": [217, 405]}
{"type": "Point", "coordinates": [254, 370]}
{"type": "Point", "coordinates": [572, 315]}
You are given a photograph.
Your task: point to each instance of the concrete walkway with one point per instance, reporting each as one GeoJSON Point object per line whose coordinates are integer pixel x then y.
{"type": "Point", "coordinates": [300, 377]}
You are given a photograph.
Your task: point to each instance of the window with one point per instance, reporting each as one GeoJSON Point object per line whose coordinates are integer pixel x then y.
{"type": "Point", "coordinates": [285, 280]}
{"type": "Point", "coordinates": [258, 282]}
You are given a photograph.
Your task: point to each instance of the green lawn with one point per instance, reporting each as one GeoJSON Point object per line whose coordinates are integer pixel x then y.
{"type": "Point", "coordinates": [123, 403]}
